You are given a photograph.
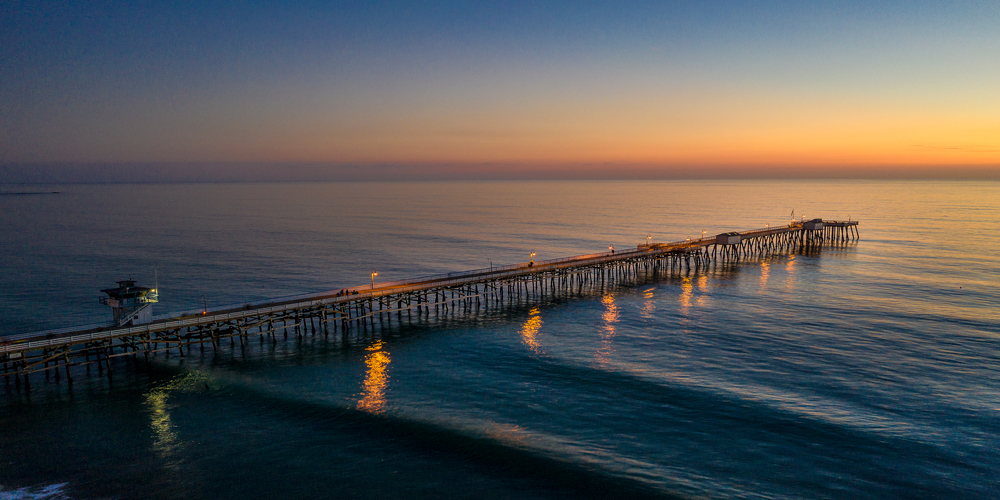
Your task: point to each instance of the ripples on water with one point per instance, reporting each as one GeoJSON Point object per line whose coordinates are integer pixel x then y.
{"type": "Point", "coordinates": [868, 370]}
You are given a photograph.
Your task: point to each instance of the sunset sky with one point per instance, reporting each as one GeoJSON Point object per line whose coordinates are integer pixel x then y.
{"type": "Point", "coordinates": [578, 85]}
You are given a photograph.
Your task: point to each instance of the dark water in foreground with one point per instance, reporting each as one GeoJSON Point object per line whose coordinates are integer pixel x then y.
{"type": "Point", "coordinates": [867, 371]}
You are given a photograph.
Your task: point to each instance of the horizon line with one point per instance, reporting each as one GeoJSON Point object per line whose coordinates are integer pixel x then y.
{"type": "Point", "coordinates": [235, 171]}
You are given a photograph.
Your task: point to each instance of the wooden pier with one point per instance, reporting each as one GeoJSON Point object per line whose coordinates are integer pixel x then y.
{"type": "Point", "coordinates": [57, 352]}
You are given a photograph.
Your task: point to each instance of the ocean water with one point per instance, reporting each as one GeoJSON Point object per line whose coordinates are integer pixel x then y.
{"type": "Point", "coordinates": [867, 370]}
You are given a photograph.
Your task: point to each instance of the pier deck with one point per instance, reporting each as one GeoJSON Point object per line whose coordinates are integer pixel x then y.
{"type": "Point", "coordinates": [325, 312]}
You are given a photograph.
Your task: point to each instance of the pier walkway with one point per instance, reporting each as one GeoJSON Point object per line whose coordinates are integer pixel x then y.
{"type": "Point", "coordinates": [60, 350]}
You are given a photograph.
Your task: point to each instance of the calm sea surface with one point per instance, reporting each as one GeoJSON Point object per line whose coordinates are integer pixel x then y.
{"type": "Point", "coordinates": [869, 370]}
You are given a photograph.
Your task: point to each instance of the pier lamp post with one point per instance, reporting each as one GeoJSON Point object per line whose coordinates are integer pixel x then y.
{"type": "Point", "coordinates": [703, 231]}
{"type": "Point", "coordinates": [647, 239]}
{"type": "Point", "coordinates": [767, 225]}
{"type": "Point", "coordinates": [204, 301]}
{"type": "Point", "coordinates": [611, 248]}
{"type": "Point", "coordinates": [374, 274]}
{"type": "Point", "coordinates": [531, 258]}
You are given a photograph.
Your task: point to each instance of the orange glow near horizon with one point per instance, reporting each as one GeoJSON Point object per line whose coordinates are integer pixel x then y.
{"type": "Point", "coordinates": [754, 144]}
{"type": "Point", "coordinates": [724, 126]}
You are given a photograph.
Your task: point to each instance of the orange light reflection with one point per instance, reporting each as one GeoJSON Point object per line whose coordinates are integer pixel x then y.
{"type": "Point", "coordinates": [703, 288]}
{"type": "Point", "coordinates": [376, 379]}
{"type": "Point", "coordinates": [790, 272]}
{"type": "Point", "coordinates": [649, 306]}
{"type": "Point", "coordinates": [529, 331]}
{"type": "Point", "coordinates": [610, 317]}
{"type": "Point", "coordinates": [765, 272]}
{"type": "Point", "coordinates": [687, 291]}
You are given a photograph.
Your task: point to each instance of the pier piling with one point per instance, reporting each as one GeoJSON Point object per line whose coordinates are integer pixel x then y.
{"type": "Point", "coordinates": [451, 294]}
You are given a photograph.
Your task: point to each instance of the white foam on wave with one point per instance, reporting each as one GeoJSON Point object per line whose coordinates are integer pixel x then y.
{"type": "Point", "coordinates": [49, 492]}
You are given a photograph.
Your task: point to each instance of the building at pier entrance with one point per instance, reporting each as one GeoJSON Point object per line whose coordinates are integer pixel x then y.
{"type": "Point", "coordinates": [130, 304]}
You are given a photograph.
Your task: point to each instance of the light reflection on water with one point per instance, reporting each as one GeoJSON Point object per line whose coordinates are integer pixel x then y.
{"type": "Point", "coordinates": [765, 272]}
{"type": "Point", "coordinates": [703, 288]}
{"type": "Point", "coordinates": [648, 305]}
{"type": "Point", "coordinates": [157, 402]}
{"type": "Point", "coordinates": [529, 331]}
{"type": "Point", "coordinates": [163, 429]}
{"type": "Point", "coordinates": [687, 291]}
{"type": "Point", "coordinates": [376, 379]}
{"type": "Point", "coordinates": [790, 273]}
{"type": "Point", "coordinates": [610, 316]}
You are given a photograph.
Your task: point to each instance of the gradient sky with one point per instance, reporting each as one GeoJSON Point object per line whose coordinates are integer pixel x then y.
{"type": "Point", "coordinates": [554, 84]}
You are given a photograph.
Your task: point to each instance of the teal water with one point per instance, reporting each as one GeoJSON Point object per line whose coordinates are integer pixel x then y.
{"type": "Point", "coordinates": [868, 370]}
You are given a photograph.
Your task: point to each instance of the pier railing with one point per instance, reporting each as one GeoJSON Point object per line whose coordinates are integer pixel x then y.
{"type": "Point", "coordinates": [197, 317]}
